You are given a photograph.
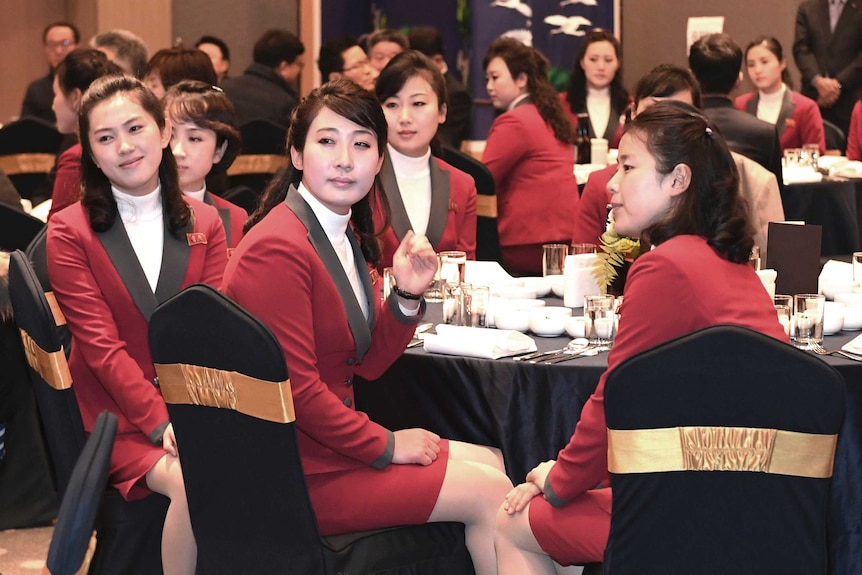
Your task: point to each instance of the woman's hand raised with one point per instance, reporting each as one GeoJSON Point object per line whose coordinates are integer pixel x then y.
{"type": "Point", "coordinates": [414, 263]}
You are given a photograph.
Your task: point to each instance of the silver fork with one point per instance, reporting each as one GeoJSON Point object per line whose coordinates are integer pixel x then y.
{"type": "Point", "coordinates": [820, 350]}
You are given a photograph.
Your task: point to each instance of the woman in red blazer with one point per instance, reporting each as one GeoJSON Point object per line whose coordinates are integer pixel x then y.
{"type": "Point", "coordinates": [529, 152]}
{"type": "Point", "coordinates": [596, 87]}
{"type": "Point", "coordinates": [797, 117]}
{"type": "Point", "coordinates": [854, 137]}
{"type": "Point", "coordinates": [205, 141]}
{"type": "Point", "coordinates": [303, 271]}
{"type": "Point", "coordinates": [131, 243]}
{"type": "Point", "coordinates": [425, 194]}
{"type": "Point", "coordinates": [677, 188]}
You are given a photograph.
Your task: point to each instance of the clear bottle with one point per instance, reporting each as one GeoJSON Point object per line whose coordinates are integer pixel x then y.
{"type": "Point", "coordinates": [582, 140]}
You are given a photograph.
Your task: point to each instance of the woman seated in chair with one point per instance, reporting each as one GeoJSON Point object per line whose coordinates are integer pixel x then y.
{"type": "Point", "coordinates": [797, 117]}
{"type": "Point", "coordinates": [301, 271]}
{"type": "Point", "coordinates": [677, 189]}
{"type": "Point", "coordinates": [205, 141]}
{"type": "Point", "coordinates": [425, 194]}
{"type": "Point", "coordinates": [529, 152]}
{"type": "Point", "coordinates": [132, 242]}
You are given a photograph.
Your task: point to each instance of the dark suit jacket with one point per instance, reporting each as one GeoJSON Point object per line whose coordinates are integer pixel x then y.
{"type": "Point", "coordinates": [456, 128]}
{"type": "Point", "coordinates": [39, 98]}
{"type": "Point", "coordinates": [745, 134]}
{"type": "Point", "coordinates": [452, 221]}
{"type": "Point", "coordinates": [838, 54]}
{"type": "Point", "coordinates": [799, 121]}
{"type": "Point", "coordinates": [261, 94]}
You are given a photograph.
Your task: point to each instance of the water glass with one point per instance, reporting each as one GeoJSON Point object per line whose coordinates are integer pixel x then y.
{"type": "Point", "coordinates": [480, 297]}
{"type": "Point", "coordinates": [811, 153]}
{"type": "Point", "coordinates": [553, 258]}
{"type": "Point", "coordinates": [784, 310]}
{"type": "Point", "coordinates": [754, 258]}
{"type": "Point", "coordinates": [434, 291]}
{"type": "Point", "coordinates": [807, 326]}
{"type": "Point", "coordinates": [601, 319]}
{"type": "Point", "coordinates": [452, 266]}
{"type": "Point", "coordinates": [388, 282]}
{"type": "Point", "coordinates": [457, 303]}
{"type": "Point", "coordinates": [576, 249]}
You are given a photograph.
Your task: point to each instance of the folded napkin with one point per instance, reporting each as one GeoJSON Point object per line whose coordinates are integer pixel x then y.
{"type": "Point", "coordinates": [800, 175]}
{"type": "Point", "coordinates": [854, 345]}
{"type": "Point", "coordinates": [853, 169]}
{"type": "Point", "coordinates": [477, 342]}
{"type": "Point", "coordinates": [484, 273]}
{"type": "Point", "coordinates": [835, 275]}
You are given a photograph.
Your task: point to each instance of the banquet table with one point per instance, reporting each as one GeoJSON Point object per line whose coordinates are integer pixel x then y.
{"type": "Point", "coordinates": [529, 411]}
{"type": "Point", "coordinates": [835, 204]}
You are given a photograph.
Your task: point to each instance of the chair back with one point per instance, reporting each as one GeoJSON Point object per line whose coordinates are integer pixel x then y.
{"type": "Point", "coordinates": [49, 372]}
{"type": "Point", "coordinates": [28, 151]}
{"type": "Point", "coordinates": [835, 137]}
{"type": "Point", "coordinates": [17, 228]}
{"type": "Point", "coordinates": [487, 236]}
{"type": "Point", "coordinates": [263, 137]}
{"type": "Point", "coordinates": [720, 448]}
{"type": "Point", "coordinates": [223, 375]}
{"type": "Point", "coordinates": [77, 514]}
{"type": "Point", "coordinates": [37, 253]}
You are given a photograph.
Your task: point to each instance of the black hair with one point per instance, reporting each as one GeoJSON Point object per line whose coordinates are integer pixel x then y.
{"type": "Point", "coordinates": [61, 24]}
{"type": "Point", "coordinates": [97, 198]}
{"type": "Point", "coordinates": [774, 46]}
{"type": "Point", "coordinates": [711, 207]}
{"type": "Point", "coordinates": [576, 95]}
{"type": "Point", "coordinates": [664, 81]}
{"type": "Point", "coordinates": [360, 106]}
{"type": "Point", "coordinates": [716, 61]}
{"type": "Point", "coordinates": [331, 59]}
{"type": "Point", "coordinates": [217, 42]}
{"type": "Point", "coordinates": [276, 46]}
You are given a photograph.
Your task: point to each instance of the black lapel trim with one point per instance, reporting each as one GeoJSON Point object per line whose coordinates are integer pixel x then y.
{"type": "Point", "coordinates": [787, 108]}
{"type": "Point", "coordinates": [399, 221]}
{"type": "Point", "coordinates": [320, 242]}
{"type": "Point", "coordinates": [751, 106]}
{"type": "Point", "coordinates": [122, 255]}
{"type": "Point", "coordinates": [223, 213]}
{"type": "Point", "coordinates": [441, 194]}
{"type": "Point", "coordinates": [175, 261]}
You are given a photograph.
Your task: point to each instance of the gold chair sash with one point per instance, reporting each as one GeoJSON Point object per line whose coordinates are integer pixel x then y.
{"type": "Point", "coordinates": [721, 449]}
{"type": "Point", "coordinates": [486, 206]}
{"type": "Point", "coordinates": [196, 385]}
{"type": "Point", "coordinates": [59, 318]}
{"type": "Point", "coordinates": [257, 164]}
{"type": "Point", "coordinates": [52, 366]}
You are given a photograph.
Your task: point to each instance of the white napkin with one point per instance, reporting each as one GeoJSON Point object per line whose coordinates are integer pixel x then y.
{"type": "Point", "coordinates": [834, 274]}
{"type": "Point", "coordinates": [485, 273]}
{"type": "Point", "coordinates": [853, 169]}
{"type": "Point", "coordinates": [477, 342]}
{"type": "Point", "coordinates": [800, 174]}
{"type": "Point", "coordinates": [854, 345]}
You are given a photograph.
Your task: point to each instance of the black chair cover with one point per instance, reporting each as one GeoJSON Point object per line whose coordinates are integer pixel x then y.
{"type": "Point", "coordinates": [129, 533]}
{"type": "Point", "coordinates": [721, 521]}
{"type": "Point", "coordinates": [77, 514]}
{"type": "Point", "coordinates": [835, 137]}
{"type": "Point", "coordinates": [17, 229]}
{"type": "Point", "coordinates": [246, 488]}
{"type": "Point", "coordinates": [487, 237]}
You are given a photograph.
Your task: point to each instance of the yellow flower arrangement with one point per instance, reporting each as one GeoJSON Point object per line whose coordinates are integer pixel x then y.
{"type": "Point", "coordinates": [616, 251]}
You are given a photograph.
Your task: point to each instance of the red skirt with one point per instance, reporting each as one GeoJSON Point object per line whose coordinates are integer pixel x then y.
{"type": "Point", "coordinates": [575, 533]}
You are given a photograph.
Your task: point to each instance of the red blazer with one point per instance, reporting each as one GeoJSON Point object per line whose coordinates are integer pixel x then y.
{"type": "Point", "coordinates": [679, 287]}
{"type": "Point", "coordinates": [613, 132]}
{"type": "Point", "coordinates": [232, 216]}
{"type": "Point", "coordinates": [591, 217]}
{"type": "Point", "coordinates": [286, 273]}
{"type": "Point", "coordinates": [537, 193]}
{"type": "Point", "coordinates": [799, 121]}
{"type": "Point", "coordinates": [452, 222]}
{"type": "Point", "coordinates": [854, 135]}
{"type": "Point", "coordinates": [107, 301]}
{"type": "Point", "coordinates": [67, 180]}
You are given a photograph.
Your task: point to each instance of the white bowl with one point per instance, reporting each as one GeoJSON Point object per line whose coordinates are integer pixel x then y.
{"type": "Point", "coordinates": [514, 291]}
{"type": "Point", "coordinates": [526, 304]}
{"type": "Point", "coordinates": [831, 289]}
{"type": "Point", "coordinates": [576, 326]}
{"type": "Point", "coordinates": [558, 284]}
{"type": "Point", "coordinates": [549, 321]}
{"type": "Point", "coordinates": [542, 285]}
{"type": "Point", "coordinates": [512, 318]}
{"type": "Point", "coordinates": [849, 298]}
{"type": "Point", "coordinates": [833, 317]}
{"type": "Point", "coordinates": [852, 318]}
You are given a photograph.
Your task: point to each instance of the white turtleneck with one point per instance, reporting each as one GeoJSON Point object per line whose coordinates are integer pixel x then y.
{"type": "Point", "coordinates": [199, 194]}
{"type": "Point", "coordinates": [769, 105]}
{"type": "Point", "coordinates": [517, 101]}
{"type": "Point", "coordinates": [142, 217]}
{"type": "Point", "coordinates": [599, 109]}
{"type": "Point", "coordinates": [414, 181]}
{"type": "Point", "coordinates": [335, 227]}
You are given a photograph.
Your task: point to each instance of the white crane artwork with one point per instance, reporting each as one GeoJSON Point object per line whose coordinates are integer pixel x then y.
{"type": "Point", "coordinates": [518, 5]}
{"type": "Point", "coordinates": [568, 24]}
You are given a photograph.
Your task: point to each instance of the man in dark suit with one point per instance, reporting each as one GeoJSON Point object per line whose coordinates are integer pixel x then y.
{"type": "Point", "coordinates": [58, 39]}
{"type": "Point", "coordinates": [716, 62]}
{"type": "Point", "coordinates": [265, 91]}
{"type": "Point", "coordinates": [456, 128]}
{"type": "Point", "coordinates": [828, 51]}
